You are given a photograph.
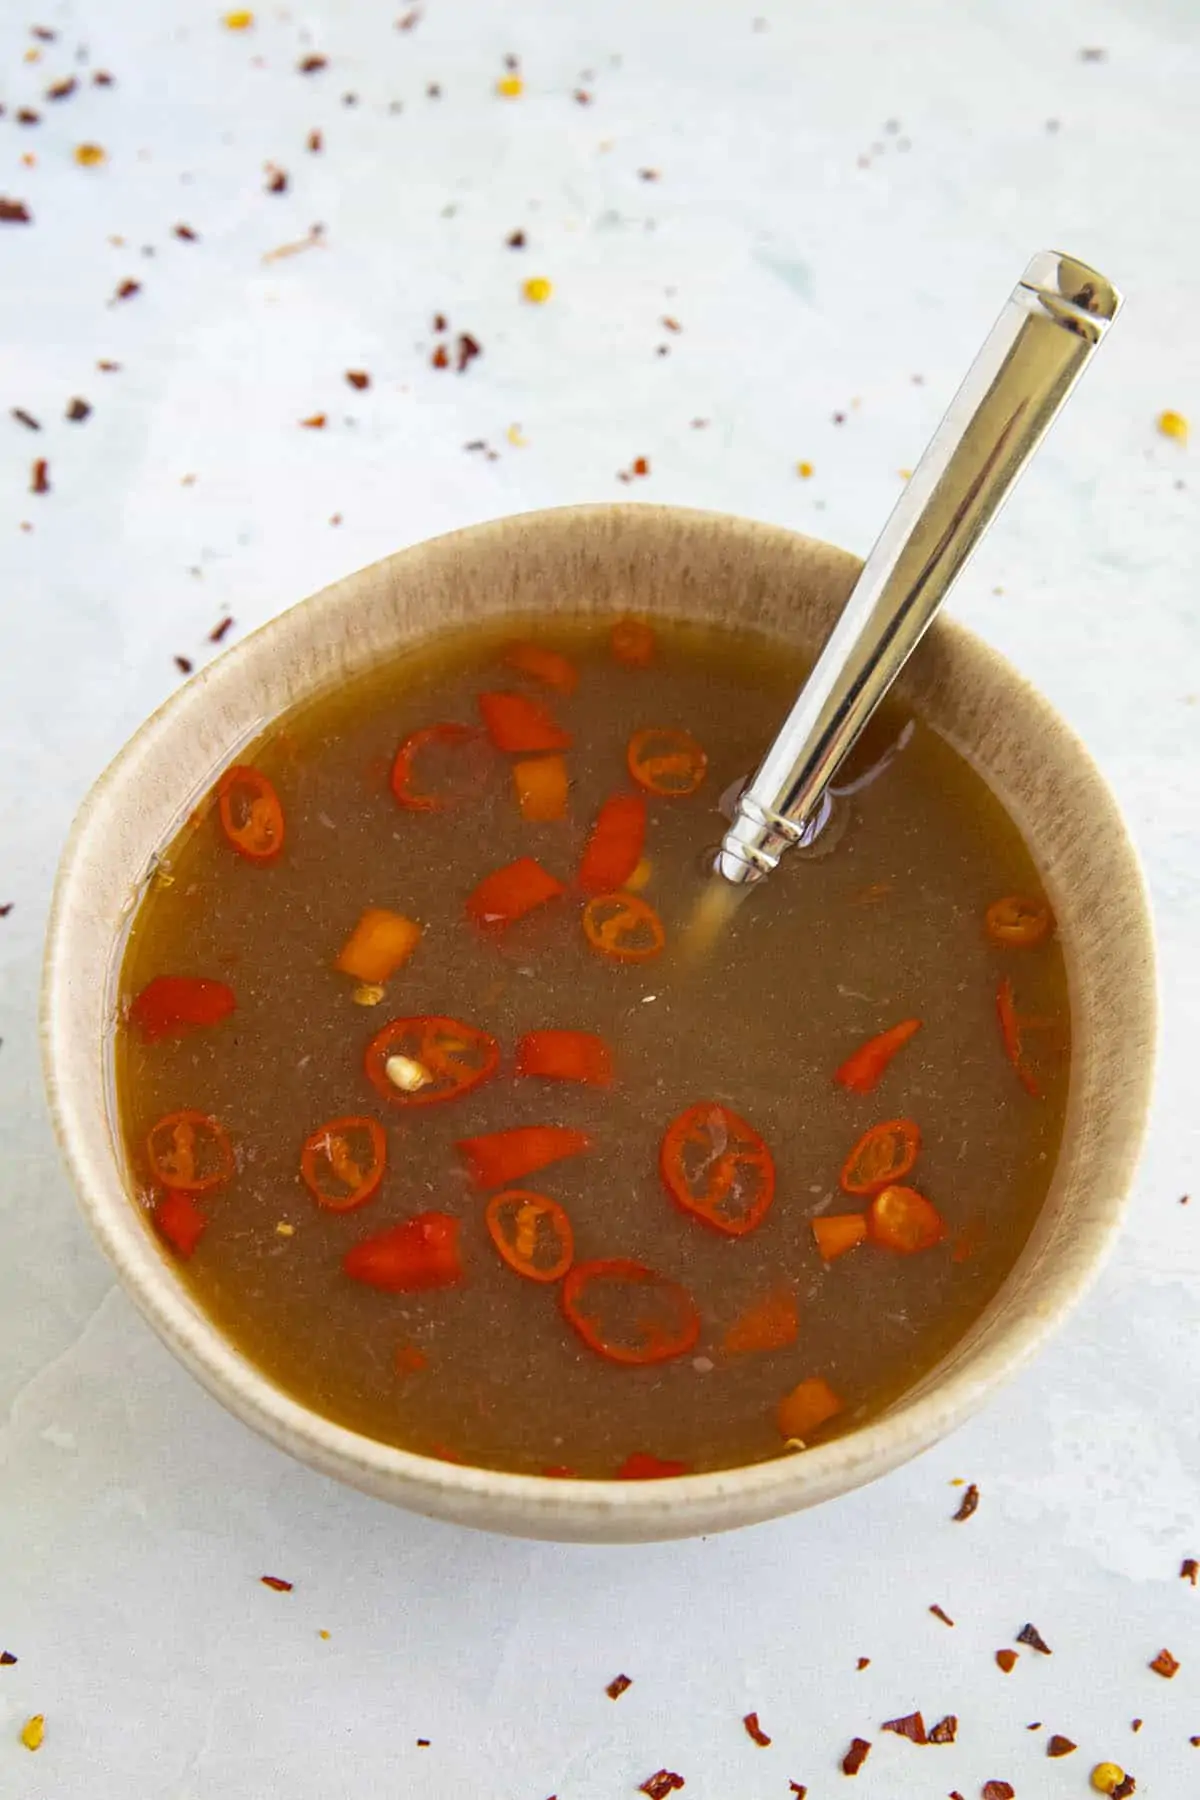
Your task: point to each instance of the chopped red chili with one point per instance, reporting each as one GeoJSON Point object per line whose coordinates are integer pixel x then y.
{"type": "Point", "coordinates": [798, 1789]}
{"type": "Point", "coordinates": [1017, 923]}
{"type": "Point", "coordinates": [967, 1504]}
{"type": "Point", "coordinates": [277, 1583]}
{"type": "Point", "coordinates": [1007, 1660]}
{"type": "Point", "coordinates": [39, 479]}
{"type": "Point", "coordinates": [1029, 1634]}
{"type": "Point", "coordinates": [508, 894]}
{"type": "Point", "coordinates": [629, 1313]}
{"type": "Point", "coordinates": [250, 812]}
{"type": "Point", "coordinates": [755, 1731]}
{"type": "Point", "coordinates": [1010, 1033]}
{"type": "Point", "coordinates": [180, 1221]}
{"type": "Point", "coordinates": [617, 1686]}
{"type": "Point", "coordinates": [633, 643]}
{"type": "Point", "coordinates": [657, 1787]}
{"type": "Point", "coordinates": [836, 1233]}
{"type": "Point", "coordinates": [425, 1060]}
{"type": "Point", "coordinates": [945, 1731]}
{"type": "Point", "coordinates": [902, 1220]}
{"type": "Point", "coordinates": [938, 1613]}
{"type": "Point", "coordinates": [1060, 1746]}
{"type": "Point", "coordinates": [614, 848]}
{"type": "Point", "coordinates": [565, 1056]}
{"type": "Point", "coordinates": [769, 1323]}
{"type": "Point", "coordinates": [1166, 1665]}
{"type": "Point", "coordinates": [501, 1157]}
{"type": "Point", "coordinates": [541, 785]}
{"type": "Point", "coordinates": [642, 1466]}
{"type": "Point", "coordinates": [171, 1006]}
{"type": "Point", "coordinates": [1189, 1570]}
{"type": "Point", "coordinates": [882, 1156]}
{"type": "Point", "coordinates": [548, 666]}
{"type": "Point", "coordinates": [520, 725]}
{"type": "Point", "coordinates": [717, 1167]}
{"type": "Point", "coordinates": [666, 761]}
{"type": "Point", "coordinates": [339, 1178]}
{"type": "Point", "coordinates": [532, 1233]}
{"type": "Point", "coordinates": [864, 1070]}
{"type": "Point", "coordinates": [421, 1253]}
{"type": "Point", "coordinates": [811, 1404]}
{"type": "Point", "coordinates": [190, 1150]}
{"type": "Point", "coordinates": [7, 1659]}
{"type": "Point", "coordinates": [461, 774]}
{"type": "Point", "coordinates": [856, 1755]}
{"type": "Point", "coordinates": [623, 927]}
{"type": "Point", "coordinates": [911, 1726]}
{"type": "Point", "coordinates": [998, 1790]}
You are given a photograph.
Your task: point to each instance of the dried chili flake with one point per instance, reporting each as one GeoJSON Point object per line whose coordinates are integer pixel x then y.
{"type": "Point", "coordinates": [967, 1504]}
{"type": "Point", "coordinates": [314, 422]}
{"type": "Point", "coordinates": [43, 34]}
{"type": "Point", "coordinates": [39, 479]}
{"type": "Point", "coordinates": [62, 90]}
{"type": "Point", "coordinates": [670, 323]}
{"type": "Point", "coordinates": [24, 418]}
{"type": "Point", "coordinates": [582, 97]}
{"type": "Point", "coordinates": [423, 1743]}
{"type": "Point", "coordinates": [660, 1785]}
{"type": "Point", "coordinates": [410, 20]}
{"type": "Point", "coordinates": [864, 1662]}
{"type": "Point", "coordinates": [433, 90]}
{"type": "Point", "coordinates": [641, 465]}
{"type": "Point", "coordinates": [798, 1788]}
{"type": "Point", "coordinates": [314, 142]}
{"type": "Point", "coordinates": [1029, 1634]}
{"type": "Point", "coordinates": [1126, 1786]}
{"type": "Point", "coordinates": [754, 1730]}
{"type": "Point", "coordinates": [127, 289]}
{"type": "Point", "coordinates": [4, 912]}
{"type": "Point", "coordinates": [1060, 1746]}
{"type": "Point", "coordinates": [277, 181]}
{"type": "Point", "coordinates": [277, 1583]}
{"type": "Point", "coordinates": [912, 1727]}
{"type": "Point", "coordinates": [102, 78]}
{"type": "Point", "coordinates": [27, 116]}
{"type": "Point", "coordinates": [945, 1731]}
{"type": "Point", "coordinates": [998, 1790]}
{"type": "Point", "coordinates": [649, 174]}
{"type": "Point", "coordinates": [1189, 1569]}
{"type": "Point", "coordinates": [617, 1686]}
{"type": "Point", "coordinates": [187, 234]}
{"type": "Point", "coordinates": [184, 664]}
{"type": "Point", "coordinates": [358, 378]}
{"type": "Point", "coordinates": [309, 65]}
{"type": "Point", "coordinates": [515, 240]}
{"type": "Point", "coordinates": [14, 212]}
{"type": "Point", "coordinates": [1166, 1665]}
{"type": "Point", "coordinates": [1007, 1659]}
{"type": "Point", "coordinates": [466, 350]}
{"type": "Point", "coordinates": [108, 368]}
{"type": "Point", "coordinates": [943, 1616]}
{"type": "Point", "coordinates": [856, 1756]}
{"type": "Point", "coordinates": [219, 630]}
{"type": "Point", "coordinates": [1135, 1724]}
{"type": "Point", "coordinates": [7, 1659]}
{"type": "Point", "coordinates": [78, 410]}
{"type": "Point", "coordinates": [441, 357]}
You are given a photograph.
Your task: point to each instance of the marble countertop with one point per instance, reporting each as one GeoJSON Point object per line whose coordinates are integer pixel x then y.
{"type": "Point", "coordinates": [830, 201]}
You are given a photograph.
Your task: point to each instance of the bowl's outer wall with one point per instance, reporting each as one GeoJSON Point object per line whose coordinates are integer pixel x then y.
{"type": "Point", "coordinates": [666, 562]}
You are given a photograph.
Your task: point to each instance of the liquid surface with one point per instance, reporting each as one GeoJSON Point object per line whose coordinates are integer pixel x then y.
{"type": "Point", "coordinates": [882, 921]}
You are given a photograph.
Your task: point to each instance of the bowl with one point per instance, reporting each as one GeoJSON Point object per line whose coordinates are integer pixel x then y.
{"type": "Point", "coordinates": [672, 563]}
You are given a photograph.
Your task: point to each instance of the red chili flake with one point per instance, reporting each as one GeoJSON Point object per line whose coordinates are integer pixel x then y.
{"type": "Point", "coordinates": [277, 180]}
{"type": "Point", "coordinates": [434, 90]}
{"type": "Point", "coordinates": [27, 116]}
{"type": "Point", "coordinates": [109, 368]}
{"type": "Point", "coordinates": [39, 481]}
{"type": "Point", "coordinates": [648, 174]}
{"type": "Point", "coordinates": [671, 324]}
{"type": "Point", "coordinates": [945, 1731]}
{"type": "Point", "coordinates": [441, 357]}
{"type": "Point", "coordinates": [856, 1756]}
{"type": "Point", "coordinates": [1060, 1746]}
{"type": "Point", "coordinates": [943, 1616]}
{"type": "Point", "coordinates": [582, 97]}
{"type": "Point", "coordinates": [358, 378]}
{"type": "Point", "coordinates": [7, 1659]}
{"type": "Point", "coordinates": [184, 664]}
{"type": "Point", "coordinates": [14, 212]}
{"type": "Point", "coordinates": [660, 1785]}
{"type": "Point", "coordinates": [314, 142]}
{"type": "Point", "coordinates": [1135, 1724]}
{"type": "Point", "coordinates": [187, 234]}
{"type": "Point", "coordinates": [617, 1686]}
{"type": "Point", "coordinates": [998, 1790]}
{"type": "Point", "coordinates": [1029, 1634]}
{"type": "Point", "coordinates": [1166, 1665]}
{"type": "Point", "coordinates": [423, 1743]}
{"type": "Point", "coordinates": [641, 465]}
{"type": "Point", "coordinates": [62, 90]}
{"type": "Point", "coordinates": [102, 78]}
{"type": "Point", "coordinates": [912, 1727]}
{"type": "Point", "coordinates": [409, 20]}
{"type": "Point", "coordinates": [43, 33]}
{"type": "Point", "coordinates": [78, 410]}
{"type": "Point", "coordinates": [314, 421]}
{"type": "Point", "coordinates": [1007, 1660]}
{"type": "Point", "coordinates": [309, 65]}
{"type": "Point", "coordinates": [754, 1730]}
{"type": "Point", "coordinates": [1194, 1742]}
{"type": "Point", "coordinates": [278, 1583]}
{"type": "Point", "coordinates": [24, 418]}
{"type": "Point", "coordinates": [798, 1788]}
{"type": "Point", "coordinates": [864, 1662]}
{"type": "Point", "coordinates": [1123, 1790]}
{"type": "Point", "coordinates": [967, 1504]}
{"type": "Point", "coordinates": [466, 351]}
{"type": "Point", "coordinates": [1189, 1569]}
{"type": "Point", "coordinates": [127, 289]}
{"type": "Point", "coordinates": [1036, 1726]}
{"type": "Point", "coordinates": [515, 240]}
{"type": "Point", "coordinates": [219, 631]}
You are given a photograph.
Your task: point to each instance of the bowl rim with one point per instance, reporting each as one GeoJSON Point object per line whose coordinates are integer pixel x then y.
{"type": "Point", "coordinates": [527, 1504]}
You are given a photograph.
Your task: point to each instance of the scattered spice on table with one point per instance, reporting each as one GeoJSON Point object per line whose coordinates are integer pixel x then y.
{"type": "Point", "coordinates": [1059, 1745]}
{"type": "Point", "coordinates": [14, 212]}
{"type": "Point", "coordinates": [1135, 1724]}
{"type": "Point", "coordinates": [1007, 1660]}
{"type": "Point", "coordinates": [102, 78]}
{"type": "Point", "coordinates": [1173, 425]}
{"type": "Point", "coordinates": [220, 629]}
{"type": "Point", "coordinates": [423, 1743]}
{"type": "Point", "coordinates": [62, 90]}
{"type": "Point", "coordinates": [277, 181]}
{"type": "Point", "coordinates": [911, 1726]}
{"type": "Point", "coordinates": [754, 1730]}
{"type": "Point", "coordinates": [358, 378]}
{"type": "Point", "coordinates": [24, 418]}
{"type": "Point", "coordinates": [1166, 1665]}
{"type": "Point", "coordinates": [78, 410]}
{"type": "Point", "coordinates": [856, 1755]}
{"type": "Point", "coordinates": [617, 1686]}
{"type": "Point", "coordinates": [945, 1731]}
{"type": "Point", "coordinates": [187, 234]}
{"type": "Point", "coordinates": [39, 480]}
{"type": "Point", "coordinates": [943, 1616]}
{"type": "Point", "coordinates": [184, 664]}
{"type": "Point", "coordinates": [967, 1504]}
{"type": "Point", "coordinates": [537, 289]}
{"type": "Point", "coordinates": [1124, 1788]}
{"type": "Point", "coordinates": [660, 1785]}
{"type": "Point", "coordinates": [90, 156]}
{"type": "Point", "coordinates": [515, 240]}
{"type": "Point", "coordinates": [1189, 1570]}
{"type": "Point", "coordinates": [998, 1790]}
{"type": "Point", "coordinates": [309, 65]}
{"type": "Point", "coordinates": [108, 368]}
{"type": "Point", "coordinates": [467, 349]}
{"type": "Point", "coordinates": [864, 1662]}
{"type": "Point", "coordinates": [1029, 1634]}
{"type": "Point", "coordinates": [127, 289]}
{"type": "Point", "coordinates": [1036, 1726]}
{"type": "Point", "coordinates": [7, 1659]}
{"type": "Point", "coordinates": [27, 116]}
{"type": "Point", "coordinates": [33, 1731]}
{"type": "Point", "coordinates": [314, 422]}
{"type": "Point", "coordinates": [277, 1583]}
{"type": "Point", "coordinates": [804, 470]}
{"type": "Point", "coordinates": [798, 1789]}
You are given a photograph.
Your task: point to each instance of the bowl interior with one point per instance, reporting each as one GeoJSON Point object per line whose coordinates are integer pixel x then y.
{"type": "Point", "coordinates": [686, 565]}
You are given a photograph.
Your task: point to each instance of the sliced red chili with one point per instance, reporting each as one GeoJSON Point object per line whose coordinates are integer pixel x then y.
{"type": "Point", "coordinates": [664, 760]}
{"type": "Point", "coordinates": [171, 1006]}
{"type": "Point", "coordinates": [343, 1162]}
{"type": "Point", "coordinates": [836, 1233]}
{"type": "Point", "coordinates": [1010, 1034]}
{"type": "Point", "coordinates": [566, 1056]}
{"type": "Point", "coordinates": [810, 1405]}
{"type": "Point", "coordinates": [421, 1253]}
{"type": "Point", "coordinates": [641, 1465]}
{"type": "Point", "coordinates": [882, 1156]}
{"type": "Point", "coordinates": [250, 812]}
{"type": "Point", "coordinates": [516, 723]}
{"type": "Point", "coordinates": [501, 1157]}
{"type": "Point", "coordinates": [180, 1221]}
{"type": "Point", "coordinates": [548, 666]}
{"type": "Point", "coordinates": [509, 893]}
{"type": "Point", "coordinates": [424, 1060]}
{"type": "Point", "coordinates": [439, 767]}
{"type": "Point", "coordinates": [541, 785]}
{"type": "Point", "coordinates": [770, 1323]}
{"type": "Point", "coordinates": [614, 848]}
{"type": "Point", "coordinates": [623, 927]}
{"type": "Point", "coordinates": [190, 1151]}
{"type": "Point", "coordinates": [633, 643]}
{"type": "Point", "coordinates": [864, 1069]}
{"type": "Point", "coordinates": [1017, 923]}
{"type": "Point", "coordinates": [628, 1313]}
{"type": "Point", "coordinates": [902, 1220]}
{"type": "Point", "coordinates": [532, 1233]}
{"type": "Point", "coordinates": [717, 1167]}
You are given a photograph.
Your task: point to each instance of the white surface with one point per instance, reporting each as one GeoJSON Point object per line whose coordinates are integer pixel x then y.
{"type": "Point", "coordinates": [135, 1518]}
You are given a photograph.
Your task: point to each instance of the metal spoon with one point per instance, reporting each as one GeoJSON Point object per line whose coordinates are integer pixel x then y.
{"type": "Point", "coordinates": [1035, 353]}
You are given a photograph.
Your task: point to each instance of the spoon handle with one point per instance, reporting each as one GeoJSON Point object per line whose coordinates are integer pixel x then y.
{"type": "Point", "coordinates": [1032, 358]}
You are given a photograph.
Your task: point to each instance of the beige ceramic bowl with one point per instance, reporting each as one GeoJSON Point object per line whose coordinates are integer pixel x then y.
{"type": "Point", "coordinates": [674, 563]}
